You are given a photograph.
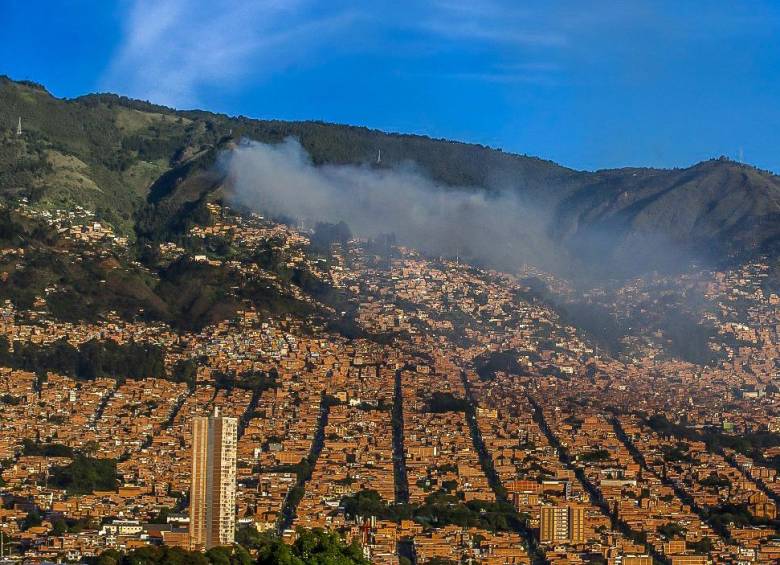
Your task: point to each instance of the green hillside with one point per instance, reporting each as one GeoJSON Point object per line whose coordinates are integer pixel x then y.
{"type": "Point", "coordinates": [148, 170]}
{"type": "Point", "coordinates": [106, 152]}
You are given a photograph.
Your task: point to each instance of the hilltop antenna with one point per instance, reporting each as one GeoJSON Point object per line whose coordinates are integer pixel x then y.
{"type": "Point", "coordinates": [19, 127]}
{"type": "Point", "coordinates": [741, 155]}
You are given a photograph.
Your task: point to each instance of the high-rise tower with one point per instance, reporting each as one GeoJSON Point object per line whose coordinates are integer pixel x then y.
{"type": "Point", "coordinates": [213, 486]}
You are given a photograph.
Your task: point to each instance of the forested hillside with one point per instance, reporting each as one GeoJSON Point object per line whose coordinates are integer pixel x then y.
{"type": "Point", "coordinates": [148, 170]}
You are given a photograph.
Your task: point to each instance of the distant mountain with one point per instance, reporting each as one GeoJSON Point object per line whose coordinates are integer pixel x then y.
{"type": "Point", "coordinates": [147, 169]}
{"type": "Point", "coordinates": [714, 211]}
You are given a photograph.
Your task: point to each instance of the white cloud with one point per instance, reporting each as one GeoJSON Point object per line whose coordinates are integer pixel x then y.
{"type": "Point", "coordinates": [173, 48]}
{"type": "Point", "coordinates": [499, 23]}
{"type": "Point", "coordinates": [503, 77]}
{"type": "Point", "coordinates": [491, 32]}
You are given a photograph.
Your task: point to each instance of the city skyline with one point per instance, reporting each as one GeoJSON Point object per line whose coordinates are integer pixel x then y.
{"type": "Point", "coordinates": [304, 282]}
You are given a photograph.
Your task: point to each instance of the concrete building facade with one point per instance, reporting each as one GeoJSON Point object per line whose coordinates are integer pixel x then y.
{"type": "Point", "coordinates": [213, 482]}
{"type": "Point", "coordinates": [562, 524]}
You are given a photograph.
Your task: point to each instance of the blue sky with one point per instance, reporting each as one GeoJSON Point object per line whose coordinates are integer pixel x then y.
{"type": "Point", "coordinates": [587, 84]}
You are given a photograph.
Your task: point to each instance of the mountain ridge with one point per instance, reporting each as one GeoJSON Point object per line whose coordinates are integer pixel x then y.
{"type": "Point", "coordinates": [135, 162]}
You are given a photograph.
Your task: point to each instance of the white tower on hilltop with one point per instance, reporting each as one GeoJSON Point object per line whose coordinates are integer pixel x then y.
{"type": "Point", "coordinates": [19, 127]}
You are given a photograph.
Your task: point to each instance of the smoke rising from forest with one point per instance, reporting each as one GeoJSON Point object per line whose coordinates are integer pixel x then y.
{"type": "Point", "coordinates": [488, 227]}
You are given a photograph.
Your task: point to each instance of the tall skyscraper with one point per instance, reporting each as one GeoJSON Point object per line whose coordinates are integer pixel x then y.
{"type": "Point", "coordinates": [562, 524]}
{"type": "Point", "coordinates": [213, 486]}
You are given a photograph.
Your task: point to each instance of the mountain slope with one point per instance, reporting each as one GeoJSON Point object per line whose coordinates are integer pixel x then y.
{"type": "Point", "coordinates": [713, 210]}
{"type": "Point", "coordinates": [147, 169]}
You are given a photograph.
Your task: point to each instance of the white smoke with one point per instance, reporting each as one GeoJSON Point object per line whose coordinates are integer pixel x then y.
{"type": "Point", "coordinates": [495, 229]}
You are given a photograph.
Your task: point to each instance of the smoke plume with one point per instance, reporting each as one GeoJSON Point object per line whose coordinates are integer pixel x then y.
{"type": "Point", "coordinates": [491, 228]}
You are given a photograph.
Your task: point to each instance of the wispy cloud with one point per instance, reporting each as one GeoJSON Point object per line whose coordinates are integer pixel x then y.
{"type": "Point", "coordinates": [497, 76]}
{"type": "Point", "coordinates": [523, 44]}
{"type": "Point", "coordinates": [488, 32]}
{"type": "Point", "coordinates": [492, 23]}
{"type": "Point", "coordinates": [171, 49]}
